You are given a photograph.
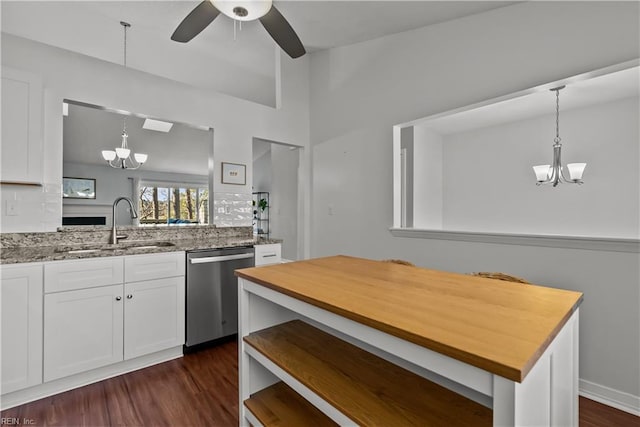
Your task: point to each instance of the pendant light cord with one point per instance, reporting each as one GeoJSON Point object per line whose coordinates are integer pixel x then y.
{"type": "Point", "coordinates": [557, 140]}
{"type": "Point", "coordinates": [125, 25]}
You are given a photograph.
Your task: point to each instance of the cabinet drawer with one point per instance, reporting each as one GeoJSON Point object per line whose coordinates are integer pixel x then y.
{"type": "Point", "coordinates": [268, 254]}
{"type": "Point", "coordinates": [153, 266]}
{"type": "Point", "coordinates": [82, 273]}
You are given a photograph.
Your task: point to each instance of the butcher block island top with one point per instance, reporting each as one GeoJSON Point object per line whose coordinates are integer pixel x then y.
{"type": "Point", "coordinates": [497, 326]}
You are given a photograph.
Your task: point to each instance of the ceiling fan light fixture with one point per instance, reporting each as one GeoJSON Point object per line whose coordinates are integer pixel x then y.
{"type": "Point", "coordinates": [243, 10]}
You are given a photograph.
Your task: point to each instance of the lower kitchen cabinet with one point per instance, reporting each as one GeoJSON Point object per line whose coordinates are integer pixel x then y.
{"type": "Point", "coordinates": [83, 330]}
{"type": "Point", "coordinates": [21, 289]}
{"type": "Point", "coordinates": [94, 323]}
{"type": "Point", "coordinates": [154, 316]}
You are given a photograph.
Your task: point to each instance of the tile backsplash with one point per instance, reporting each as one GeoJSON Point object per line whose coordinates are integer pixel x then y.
{"type": "Point", "coordinates": [232, 210]}
{"type": "Point", "coordinates": [30, 209]}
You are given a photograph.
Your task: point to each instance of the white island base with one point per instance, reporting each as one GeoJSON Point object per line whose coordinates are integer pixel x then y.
{"type": "Point", "coordinates": [548, 395]}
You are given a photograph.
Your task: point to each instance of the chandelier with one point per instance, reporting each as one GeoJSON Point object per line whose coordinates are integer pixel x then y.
{"type": "Point", "coordinates": [554, 174]}
{"type": "Point", "coordinates": [120, 158]}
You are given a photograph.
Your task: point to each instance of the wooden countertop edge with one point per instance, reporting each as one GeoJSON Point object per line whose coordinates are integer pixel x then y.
{"type": "Point", "coordinates": [538, 354]}
{"type": "Point", "coordinates": [491, 366]}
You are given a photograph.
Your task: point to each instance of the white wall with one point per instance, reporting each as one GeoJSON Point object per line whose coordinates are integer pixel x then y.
{"type": "Point", "coordinates": [262, 172]}
{"type": "Point", "coordinates": [490, 184]}
{"type": "Point", "coordinates": [359, 92]}
{"type": "Point", "coordinates": [284, 199]}
{"type": "Point", "coordinates": [427, 179]}
{"type": "Point", "coordinates": [78, 77]}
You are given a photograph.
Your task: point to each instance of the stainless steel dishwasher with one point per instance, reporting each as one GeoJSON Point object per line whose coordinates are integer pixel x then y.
{"type": "Point", "coordinates": [212, 293]}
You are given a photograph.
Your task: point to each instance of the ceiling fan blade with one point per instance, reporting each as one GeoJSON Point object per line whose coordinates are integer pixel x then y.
{"type": "Point", "coordinates": [282, 33]}
{"type": "Point", "coordinates": [195, 22]}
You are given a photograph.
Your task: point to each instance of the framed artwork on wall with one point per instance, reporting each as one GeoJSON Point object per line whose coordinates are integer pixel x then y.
{"type": "Point", "coordinates": [78, 188]}
{"type": "Point", "coordinates": [234, 173]}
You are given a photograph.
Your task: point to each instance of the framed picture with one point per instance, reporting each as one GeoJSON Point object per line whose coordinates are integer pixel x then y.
{"type": "Point", "coordinates": [78, 188]}
{"type": "Point", "coordinates": [233, 173]}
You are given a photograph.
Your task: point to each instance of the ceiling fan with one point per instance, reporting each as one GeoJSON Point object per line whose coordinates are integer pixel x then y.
{"type": "Point", "coordinates": [241, 10]}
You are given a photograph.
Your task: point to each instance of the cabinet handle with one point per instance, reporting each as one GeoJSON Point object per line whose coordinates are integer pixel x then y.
{"type": "Point", "coordinates": [129, 296]}
{"type": "Point", "coordinates": [118, 298]}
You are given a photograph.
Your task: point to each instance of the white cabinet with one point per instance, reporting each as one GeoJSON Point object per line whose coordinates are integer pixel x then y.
{"type": "Point", "coordinates": [22, 136]}
{"type": "Point", "coordinates": [82, 330]}
{"type": "Point", "coordinates": [154, 303]}
{"type": "Point", "coordinates": [102, 311]}
{"type": "Point", "coordinates": [21, 326]}
{"type": "Point", "coordinates": [154, 313]}
{"type": "Point", "coordinates": [268, 254]}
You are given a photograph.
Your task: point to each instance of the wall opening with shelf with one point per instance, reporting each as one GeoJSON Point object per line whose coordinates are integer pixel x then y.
{"type": "Point", "coordinates": [470, 170]}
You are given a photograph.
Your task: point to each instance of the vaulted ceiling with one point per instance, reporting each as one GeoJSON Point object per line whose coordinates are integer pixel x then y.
{"type": "Point", "coordinates": [244, 67]}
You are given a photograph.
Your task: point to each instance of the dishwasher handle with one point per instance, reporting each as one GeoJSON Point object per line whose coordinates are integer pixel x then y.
{"type": "Point", "coordinates": [219, 258]}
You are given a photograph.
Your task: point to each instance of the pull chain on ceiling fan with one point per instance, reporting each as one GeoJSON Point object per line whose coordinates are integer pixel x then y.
{"type": "Point", "coordinates": [241, 10]}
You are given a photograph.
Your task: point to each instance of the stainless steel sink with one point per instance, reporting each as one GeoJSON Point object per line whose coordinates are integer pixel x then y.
{"type": "Point", "coordinates": [79, 251]}
{"type": "Point", "coordinates": [87, 249]}
{"type": "Point", "coordinates": [138, 245]}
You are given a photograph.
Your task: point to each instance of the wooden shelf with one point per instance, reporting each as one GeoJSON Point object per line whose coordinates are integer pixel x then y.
{"type": "Point", "coordinates": [367, 389]}
{"type": "Point", "coordinates": [278, 405]}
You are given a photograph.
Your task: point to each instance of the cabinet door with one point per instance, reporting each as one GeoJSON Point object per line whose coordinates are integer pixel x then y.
{"type": "Point", "coordinates": [21, 326]}
{"type": "Point", "coordinates": [82, 330]}
{"type": "Point", "coordinates": [21, 127]}
{"type": "Point", "coordinates": [154, 313]}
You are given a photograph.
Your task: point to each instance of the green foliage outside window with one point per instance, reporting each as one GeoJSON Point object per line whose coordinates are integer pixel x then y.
{"type": "Point", "coordinates": [179, 204]}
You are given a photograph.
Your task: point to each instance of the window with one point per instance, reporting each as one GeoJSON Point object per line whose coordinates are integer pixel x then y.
{"type": "Point", "coordinates": [173, 203]}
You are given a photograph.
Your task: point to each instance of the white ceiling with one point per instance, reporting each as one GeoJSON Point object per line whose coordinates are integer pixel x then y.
{"type": "Point", "coordinates": [87, 131]}
{"type": "Point", "coordinates": [213, 60]}
{"type": "Point", "coordinates": [579, 92]}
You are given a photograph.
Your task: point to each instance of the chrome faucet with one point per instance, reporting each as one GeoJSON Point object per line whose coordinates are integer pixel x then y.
{"type": "Point", "coordinates": [114, 235]}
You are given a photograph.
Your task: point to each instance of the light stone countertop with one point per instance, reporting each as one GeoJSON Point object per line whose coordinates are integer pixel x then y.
{"type": "Point", "coordinates": [40, 247]}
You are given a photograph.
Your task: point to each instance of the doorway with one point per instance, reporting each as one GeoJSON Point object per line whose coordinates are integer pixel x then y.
{"type": "Point", "coordinates": [276, 169]}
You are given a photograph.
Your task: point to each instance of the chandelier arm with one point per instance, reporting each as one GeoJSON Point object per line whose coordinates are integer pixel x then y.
{"type": "Point", "coordinates": [123, 164]}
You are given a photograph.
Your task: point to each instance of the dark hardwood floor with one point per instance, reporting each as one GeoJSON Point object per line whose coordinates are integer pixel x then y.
{"type": "Point", "coordinates": [200, 389]}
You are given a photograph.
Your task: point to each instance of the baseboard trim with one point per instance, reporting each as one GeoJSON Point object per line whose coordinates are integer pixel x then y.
{"type": "Point", "coordinates": [607, 396]}
{"type": "Point", "coordinates": [611, 397]}
{"type": "Point", "coordinates": [61, 385]}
